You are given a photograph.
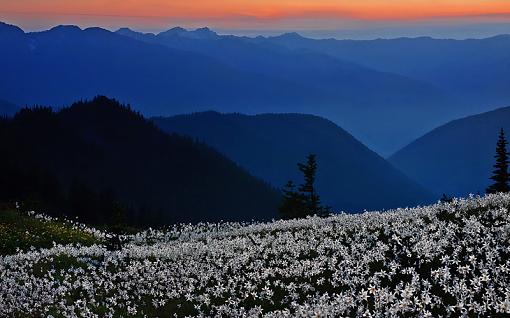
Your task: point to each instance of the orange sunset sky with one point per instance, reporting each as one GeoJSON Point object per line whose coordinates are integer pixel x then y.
{"type": "Point", "coordinates": [250, 14]}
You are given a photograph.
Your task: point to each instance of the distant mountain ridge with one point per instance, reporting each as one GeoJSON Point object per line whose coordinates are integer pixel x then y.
{"type": "Point", "coordinates": [190, 73]}
{"type": "Point", "coordinates": [350, 176]}
{"type": "Point", "coordinates": [455, 158]}
{"type": "Point", "coordinates": [84, 63]}
{"type": "Point", "coordinates": [357, 97]}
{"type": "Point", "coordinates": [476, 71]}
{"type": "Point", "coordinates": [385, 92]}
{"type": "Point", "coordinates": [162, 178]}
{"type": "Point", "coordinates": [456, 66]}
{"type": "Point", "coordinates": [201, 33]}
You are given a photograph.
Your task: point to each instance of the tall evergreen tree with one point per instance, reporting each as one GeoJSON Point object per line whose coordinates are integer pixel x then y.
{"type": "Point", "coordinates": [305, 201]}
{"type": "Point", "coordinates": [500, 173]}
{"type": "Point", "coordinates": [309, 170]}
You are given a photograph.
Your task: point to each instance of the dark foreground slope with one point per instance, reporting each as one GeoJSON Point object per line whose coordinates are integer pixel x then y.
{"type": "Point", "coordinates": [7, 109]}
{"type": "Point", "coordinates": [456, 158]}
{"type": "Point", "coordinates": [113, 150]}
{"type": "Point", "coordinates": [350, 176]}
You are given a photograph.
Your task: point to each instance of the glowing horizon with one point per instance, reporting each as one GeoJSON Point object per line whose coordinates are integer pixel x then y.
{"type": "Point", "coordinates": [251, 14]}
{"type": "Point", "coordinates": [264, 9]}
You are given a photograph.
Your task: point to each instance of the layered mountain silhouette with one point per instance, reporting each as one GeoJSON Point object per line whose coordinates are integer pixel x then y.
{"type": "Point", "coordinates": [456, 158]}
{"type": "Point", "coordinates": [350, 176]}
{"type": "Point", "coordinates": [181, 71]}
{"type": "Point", "coordinates": [162, 178]}
{"type": "Point", "coordinates": [360, 99]}
{"type": "Point", "coordinates": [475, 71]}
{"type": "Point", "coordinates": [58, 66]}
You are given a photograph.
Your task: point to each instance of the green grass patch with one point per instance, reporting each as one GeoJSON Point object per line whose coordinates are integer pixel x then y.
{"type": "Point", "coordinates": [21, 231]}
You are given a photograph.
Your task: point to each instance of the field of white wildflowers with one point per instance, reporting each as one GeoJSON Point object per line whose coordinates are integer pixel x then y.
{"type": "Point", "coordinates": [449, 260]}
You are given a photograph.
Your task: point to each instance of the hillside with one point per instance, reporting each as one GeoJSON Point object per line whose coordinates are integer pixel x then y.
{"type": "Point", "coordinates": [441, 260]}
{"type": "Point", "coordinates": [350, 176]}
{"type": "Point", "coordinates": [456, 158]}
{"type": "Point", "coordinates": [103, 147]}
{"type": "Point", "coordinates": [44, 232]}
{"type": "Point", "coordinates": [7, 109]}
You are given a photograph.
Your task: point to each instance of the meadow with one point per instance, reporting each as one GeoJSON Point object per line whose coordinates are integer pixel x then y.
{"type": "Point", "coordinates": [448, 259]}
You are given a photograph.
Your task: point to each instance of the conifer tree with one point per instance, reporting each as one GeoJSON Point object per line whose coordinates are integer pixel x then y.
{"type": "Point", "coordinates": [500, 173]}
{"type": "Point", "coordinates": [305, 201]}
{"type": "Point", "coordinates": [309, 170]}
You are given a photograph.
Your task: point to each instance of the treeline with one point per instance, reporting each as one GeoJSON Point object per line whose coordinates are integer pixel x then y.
{"type": "Point", "coordinates": [69, 164]}
{"type": "Point", "coordinates": [37, 189]}
{"type": "Point", "coordinates": [27, 181]}
{"type": "Point", "coordinates": [102, 162]}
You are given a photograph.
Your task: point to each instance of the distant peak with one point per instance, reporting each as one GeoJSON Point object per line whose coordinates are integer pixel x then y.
{"type": "Point", "coordinates": [291, 35]}
{"type": "Point", "coordinates": [178, 29]}
{"type": "Point", "coordinates": [65, 28]}
{"type": "Point", "coordinates": [173, 32]}
{"type": "Point", "coordinates": [5, 27]}
{"type": "Point", "coordinates": [124, 30]}
{"type": "Point", "coordinates": [204, 33]}
{"type": "Point", "coordinates": [200, 33]}
{"type": "Point", "coordinates": [96, 29]}
{"type": "Point", "coordinates": [133, 34]}
{"type": "Point", "coordinates": [204, 29]}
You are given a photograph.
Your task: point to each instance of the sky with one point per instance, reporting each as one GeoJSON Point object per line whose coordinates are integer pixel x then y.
{"type": "Point", "coordinates": [316, 18]}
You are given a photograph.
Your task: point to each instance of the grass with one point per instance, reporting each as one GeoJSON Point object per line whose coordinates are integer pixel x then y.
{"type": "Point", "coordinates": [20, 231]}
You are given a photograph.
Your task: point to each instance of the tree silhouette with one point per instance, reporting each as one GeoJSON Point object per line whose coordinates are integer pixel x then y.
{"type": "Point", "coordinates": [309, 170]}
{"type": "Point", "coordinates": [500, 173]}
{"type": "Point", "coordinates": [446, 198]}
{"type": "Point", "coordinates": [305, 201]}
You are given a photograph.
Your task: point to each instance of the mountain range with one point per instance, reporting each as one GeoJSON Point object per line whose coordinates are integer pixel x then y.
{"type": "Point", "coordinates": [475, 71]}
{"type": "Point", "coordinates": [359, 98]}
{"type": "Point", "coordinates": [389, 95]}
{"type": "Point", "coordinates": [462, 77]}
{"type": "Point", "coordinates": [64, 64]}
{"type": "Point", "coordinates": [107, 147]}
{"type": "Point", "coordinates": [456, 158]}
{"type": "Point", "coordinates": [181, 71]}
{"type": "Point", "coordinates": [350, 177]}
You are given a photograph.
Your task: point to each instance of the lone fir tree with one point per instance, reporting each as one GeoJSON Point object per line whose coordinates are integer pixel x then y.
{"type": "Point", "coordinates": [500, 173]}
{"type": "Point", "coordinates": [309, 170]}
{"type": "Point", "coordinates": [305, 201]}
